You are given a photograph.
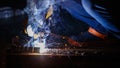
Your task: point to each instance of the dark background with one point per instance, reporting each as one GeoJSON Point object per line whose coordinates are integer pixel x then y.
{"type": "Point", "coordinates": [15, 4]}
{"type": "Point", "coordinates": [8, 27]}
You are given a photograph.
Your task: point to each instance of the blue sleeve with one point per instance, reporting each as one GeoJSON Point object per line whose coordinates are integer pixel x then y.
{"type": "Point", "coordinates": [75, 9]}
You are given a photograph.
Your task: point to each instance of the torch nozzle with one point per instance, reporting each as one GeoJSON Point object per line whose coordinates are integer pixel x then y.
{"type": "Point", "coordinates": [49, 12]}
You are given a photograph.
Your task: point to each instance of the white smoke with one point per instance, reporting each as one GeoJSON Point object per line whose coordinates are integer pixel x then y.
{"type": "Point", "coordinates": [38, 27]}
{"type": "Point", "coordinates": [38, 24]}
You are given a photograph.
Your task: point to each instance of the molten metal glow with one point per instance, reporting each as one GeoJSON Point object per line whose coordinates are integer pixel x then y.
{"type": "Point", "coordinates": [40, 45]}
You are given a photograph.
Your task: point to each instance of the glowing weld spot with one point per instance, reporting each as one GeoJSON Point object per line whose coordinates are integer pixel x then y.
{"type": "Point", "coordinates": [41, 46]}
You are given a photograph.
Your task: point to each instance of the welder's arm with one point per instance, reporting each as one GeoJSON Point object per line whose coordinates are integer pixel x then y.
{"type": "Point", "coordinates": [75, 9]}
